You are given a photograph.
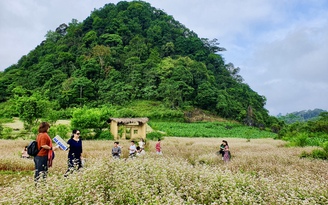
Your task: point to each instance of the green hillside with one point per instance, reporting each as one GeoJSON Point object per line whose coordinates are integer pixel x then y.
{"type": "Point", "coordinates": [301, 116]}
{"type": "Point", "coordinates": [126, 52]}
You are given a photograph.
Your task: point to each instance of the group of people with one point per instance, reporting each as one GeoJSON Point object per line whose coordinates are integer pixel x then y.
{"type": "Point", "coordinates": [134, 150]}
{"type": "Point", "coordinates": [224, 151]}
{"type": "Point", "coordinates": [46, 154]}
{"type": "Point", "coordinates": [43, 160]}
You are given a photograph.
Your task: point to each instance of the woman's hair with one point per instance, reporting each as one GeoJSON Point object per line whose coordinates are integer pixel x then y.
{"type": "Point", "coordinates": [74, 132]}
{"type": "Point", "coordinates": [225, 142]}
{"type": "Point", "coordinates": [43, 127]}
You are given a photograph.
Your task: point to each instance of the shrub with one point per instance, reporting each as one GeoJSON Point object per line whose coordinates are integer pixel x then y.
{"type": "Point", "coordinates": [65, 114]}
{"type": "Point", "coordinates": [92, 120]}
{"type": "Point", "coordinates": [87, 134]}
{"type": "Point", "coordinates": [1, 129]}
{"type": "Point", "coordinates": [171, 115]}
{"type": "Point", "coordinates": [62, 130]}
{"type": "Point", "coordinates": [304, 154]}
{"type": "Point", "coordinates": [7, 133]}
{"type": "Point", "coordinates": [126, 112]}
{"type": "Point", "coordinates": [325, 147]}
{"type": "Point", "coordinates": [154, 135]}
{"type": "Point", "coordinates": [25, 134]}
{"type": "Point", "coordinates": [106, 134]}
{"type": "Point", "coordinates": [319, 154]}
{"type": "Point", "coordinates": [301, 140]}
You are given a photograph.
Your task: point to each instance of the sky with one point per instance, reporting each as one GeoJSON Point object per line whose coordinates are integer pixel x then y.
{"type": "Point", "coordinates": [278, 45]}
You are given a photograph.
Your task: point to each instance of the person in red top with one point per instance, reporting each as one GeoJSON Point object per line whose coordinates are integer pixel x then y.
{"type": "Point", "coordinates": [44, 158]}
{"type": "Point", "coordinates": [158, 147]}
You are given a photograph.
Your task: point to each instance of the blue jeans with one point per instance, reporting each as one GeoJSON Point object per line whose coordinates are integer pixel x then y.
{"type": "Point", "coordinates": [41, 167]}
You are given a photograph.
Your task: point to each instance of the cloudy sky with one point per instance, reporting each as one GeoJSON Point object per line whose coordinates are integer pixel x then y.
{"type": "Point", "coordinates": [278, 45]}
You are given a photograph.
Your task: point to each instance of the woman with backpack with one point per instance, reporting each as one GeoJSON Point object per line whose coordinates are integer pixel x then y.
{"type": "Point", "coordinates": [43, 160]}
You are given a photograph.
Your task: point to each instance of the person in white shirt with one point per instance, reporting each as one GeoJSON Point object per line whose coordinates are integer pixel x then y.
{"type": "Point", "coordinates": [142, 143]}
{"type": "Point", "coordinates": [132, 149]}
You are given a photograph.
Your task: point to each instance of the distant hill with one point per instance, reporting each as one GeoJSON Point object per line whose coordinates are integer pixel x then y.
{"type": "Point", "coordinates": [133, 51]}
{"type": "Point", "coordinates": [301, 116]}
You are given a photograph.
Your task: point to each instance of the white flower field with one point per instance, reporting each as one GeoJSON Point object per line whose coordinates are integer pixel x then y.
{"type": "Point", "coordinates": [261, 171]}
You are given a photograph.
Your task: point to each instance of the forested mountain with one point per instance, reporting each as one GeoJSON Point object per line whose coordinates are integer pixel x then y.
{"type": "Point", "coordinates": [301, 116]}
{"type": "Point", "coordinates": [133, 51]}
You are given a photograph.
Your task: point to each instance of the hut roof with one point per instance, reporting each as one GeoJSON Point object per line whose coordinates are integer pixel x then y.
{"type": "Point", "coordinates": [129, 120]}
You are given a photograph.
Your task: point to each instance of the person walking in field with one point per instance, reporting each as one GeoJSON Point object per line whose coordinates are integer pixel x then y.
{"type": "Point", "coordinates": [43, 160]}
{"type": "Point", "coordinates": [75, 152]}
{"type": "Point", "coordinates": [226, 155]}
{"type": "Point", "coordinates": [158, 147]}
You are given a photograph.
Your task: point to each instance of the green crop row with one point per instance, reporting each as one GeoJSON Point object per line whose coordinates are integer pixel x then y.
{"type": "Point", "coordinates": [210, 129]}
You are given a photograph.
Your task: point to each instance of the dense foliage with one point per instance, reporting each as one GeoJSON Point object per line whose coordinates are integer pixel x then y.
{"type": "Point", "coordinates": [301, 116]}
{"type": "Point", "coordinates": [132, 51]}
{"type": "Point", "coordinates": [310, 133]}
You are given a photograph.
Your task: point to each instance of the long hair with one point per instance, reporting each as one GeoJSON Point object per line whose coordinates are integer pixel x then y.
{"type": "Point", "coordinates": [225, 142]}
{"type": "Point", "coordinates": [43, 127]}
{"type": "Point", "coordinates": [73, 132]}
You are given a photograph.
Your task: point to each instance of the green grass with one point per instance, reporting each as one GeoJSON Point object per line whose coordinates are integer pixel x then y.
{"type": "Point", "coordinates": [210, 129]}
{"type": "Point", "coordinates": [6, 120]}
{"type": "Point", "coordinates": [154, 110]}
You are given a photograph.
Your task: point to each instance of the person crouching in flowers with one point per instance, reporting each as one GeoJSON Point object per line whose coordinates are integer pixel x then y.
{"type": "Point", "coordinates": [116, 151]}
{"type": "Point", "coordinates": [24, 153]}
{"type": "Point", "coordinates": [132, 150]}
{"type": "Point", "coordinates": [140, 151]}
{"type": "Point", "coordinates": [75, 152]}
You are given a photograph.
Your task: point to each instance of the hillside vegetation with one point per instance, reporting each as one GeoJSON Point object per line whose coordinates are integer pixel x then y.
{"type": "Point", "coordinates": [126, 52]}
{"type": "Point", "coordinates": [132, 60]}
{"type": "Point", "coordinates": [301, 116]}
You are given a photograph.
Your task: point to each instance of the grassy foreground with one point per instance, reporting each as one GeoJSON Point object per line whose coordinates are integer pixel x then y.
{"type": "Point", "coordinates": [262, 171]}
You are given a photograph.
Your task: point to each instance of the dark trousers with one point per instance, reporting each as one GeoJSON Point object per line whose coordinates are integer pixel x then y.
{"type": "Point", "coordinates": [41, 167]}
{"type": "Point", "coordinates": [73, 164]}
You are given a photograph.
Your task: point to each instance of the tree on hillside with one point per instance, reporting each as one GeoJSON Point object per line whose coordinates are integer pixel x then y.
{"type": "Point", "coordinates": [30, 109]}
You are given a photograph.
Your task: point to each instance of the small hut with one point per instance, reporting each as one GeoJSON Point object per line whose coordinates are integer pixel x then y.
{"type": "Point", "coordinates": [128, 128]}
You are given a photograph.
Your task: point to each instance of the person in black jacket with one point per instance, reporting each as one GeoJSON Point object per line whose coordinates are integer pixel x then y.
{"type": "Point", "coordinates": [75, 152]}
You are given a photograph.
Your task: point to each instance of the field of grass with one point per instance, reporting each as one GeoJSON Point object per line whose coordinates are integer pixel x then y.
{"type": "Point", "coordinates": [211, 129]}
{"type": "Point", "coordinates": [262, 171]}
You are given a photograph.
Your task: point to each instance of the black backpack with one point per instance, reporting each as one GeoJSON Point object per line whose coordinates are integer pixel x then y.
{"type": "Point", "coordinates": [32, 148]}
